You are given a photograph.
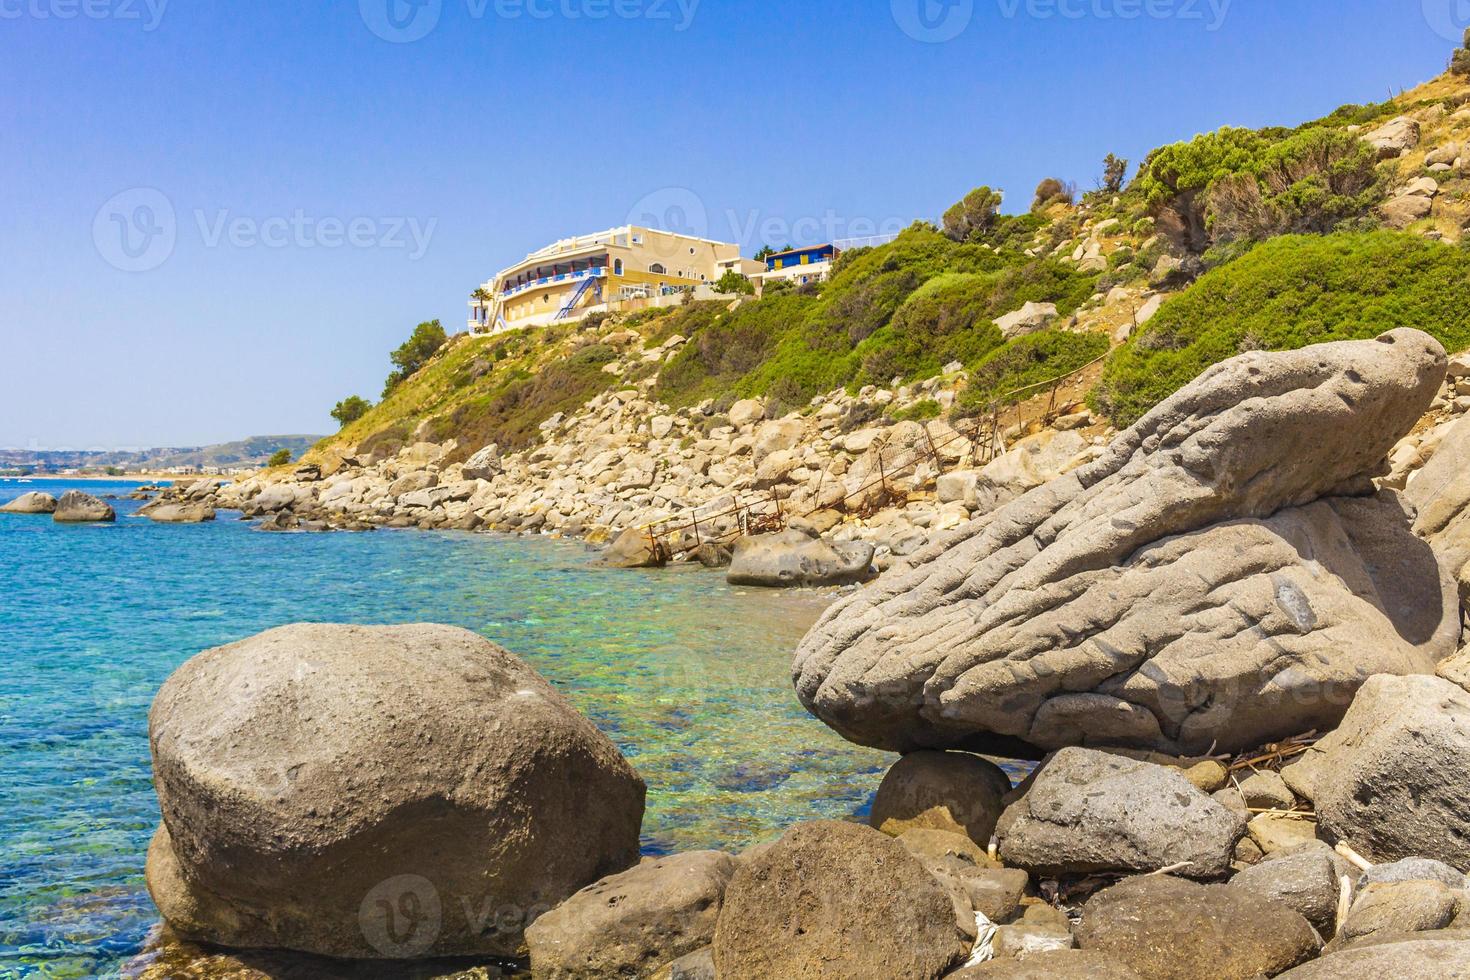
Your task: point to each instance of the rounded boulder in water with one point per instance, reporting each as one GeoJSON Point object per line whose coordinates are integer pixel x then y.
{"type": "Point", "coordinates": [378, 793]}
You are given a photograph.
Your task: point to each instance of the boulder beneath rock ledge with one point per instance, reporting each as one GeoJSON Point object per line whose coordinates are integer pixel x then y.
{"type": "Point", "coordinates": [377, 792]}
{"type": "Point", "coordinates": [1169, 929]}
{"type": "Point", "coordinates": [630, 924]}
{"type": "Point", "coordinates": [1202, 583]}
{"type": "Point", "coordinates": [1088, 811]}
{"type": "Point", "coordinates": [1391, 781]}
{"type": "Point", "coordinates": [836, 900]}
{"type": "Point", "coordinates": [76, 507]}
{"type": "Point", "coordinates": [796, 559]}
{"type": "Point", "coordinates": [951, 791]}
{"type": "Point", "coordinates": [31, 503]}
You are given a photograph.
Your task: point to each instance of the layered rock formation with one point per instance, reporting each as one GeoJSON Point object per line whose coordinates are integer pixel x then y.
{"type": "Point", "coordinates": [381, 793]}
{"type": "Point", "coordinates": [1207, 582]}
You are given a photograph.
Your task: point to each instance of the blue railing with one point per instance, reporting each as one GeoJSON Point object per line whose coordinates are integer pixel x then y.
{"type": "Point", "coordinates": [596, 272]}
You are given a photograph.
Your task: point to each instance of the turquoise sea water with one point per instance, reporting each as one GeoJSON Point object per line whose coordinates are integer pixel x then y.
{"type": "Point", "coordinates": [689, 676]}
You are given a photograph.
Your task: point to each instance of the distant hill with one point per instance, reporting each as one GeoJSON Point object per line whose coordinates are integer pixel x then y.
{"type": "Point", "coordinates": [248, 452]}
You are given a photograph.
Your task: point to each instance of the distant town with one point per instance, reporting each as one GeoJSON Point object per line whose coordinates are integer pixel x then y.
{"type": "Point", "coordinates": [223, 459]}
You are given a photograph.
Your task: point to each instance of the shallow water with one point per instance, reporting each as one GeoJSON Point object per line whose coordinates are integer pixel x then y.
{"type": "Point", "coordinates": [689, 676]}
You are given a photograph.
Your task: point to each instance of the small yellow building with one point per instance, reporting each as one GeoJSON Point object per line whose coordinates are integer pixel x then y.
{"type": "Point", "coordinates": [617, 270]}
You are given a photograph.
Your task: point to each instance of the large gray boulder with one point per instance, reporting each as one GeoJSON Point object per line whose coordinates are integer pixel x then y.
{"type": "Point", "coordinates": [1391, 781]}
{"type": "Point", "coordinates": [1088, 811]}
{"type": "Point", "coordinates": [1204, 583]}
{"type": "Point", "coordinates": [484, 464]}
{"type": "Point", "coordinates": [1169, 929]}
{"type": "Point", "coordinates": [796, 559]}
{"type": "Point", "coordinates": [377, 792]}
{"type": "Point", "coordinates": [836, 900]}
{"type": "Point", "coordinates": [30, 503]}
{"type": "Point", "coordinates": [1395, 908]}
{"type": "Point", "coordinates": [631, 923]}
{"type": "Point", "coordinates": [76, 507]}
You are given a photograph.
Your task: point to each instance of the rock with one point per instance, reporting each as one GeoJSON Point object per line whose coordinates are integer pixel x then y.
{"type": "Point", "coordinates": [386, 793]}
{"type": "Point", "coordinates": [1275, 832]}
{"type": "Point", "coordinates": [1092, 609]}
{"type": "Point", "coordinates": [957, 487]}
{"type": "Point", "coordinates": [746, 412]}
{"type": "Point", "coordinates": [1416, 960]}
{"type": "Point", "coordinates": [660, 426]}
{"type": "Point", "coordinates": [1413, 869]}
{"type": "Point", "coordinates": [1396, 907]}
{"type": "Point", "coordinates": [698, 965]}
{"type": "Point", "coordinates": [1028, 319]}
{"type": "Point", "coordinates": [973, 882]}
{"type": "Point", "coordinates": [633, 922]}
{"type": "Point", "coordinates": [1391, 780]}
{"type": "Point", "coordinates": [1067, 964]}
{"type": "Point", "coordinates": [1440, 493]}
{"type": "Point", "coordinates": [836, 900]}
{"type": "Point", "coordinates": [773, 437]}
{"type": "Point", "coordinates": [1088, 811]}
{"type": "Point", "coordinates": [1420, 187]}
{"type": "Point", "coordinates": [1305, 880]}
{"type": "Point", "coordinates": [792, 558]}
{"type": "Point", "coordinates": [1149, 309]}
{"type": "Point", "coordinates": [1394, 138]}
{"type": "Point", "coordinates": [31, 503]}
{"type": "Point", "coordinates": [1172, 272]}
{"type": "Point", "coordinates": [76, 507]}
{"type": "Point", "coordinates": [1401, 212]}
{"type": "Point", "coordinates": [1266, 790]}
{"type": "Point", "coordinates": [1166, 928]}
{"type": "Point", "coordinates": [949, 791]}
{"type": "Point", "coordinates": [181, 513]}
{"type": "Point", "coordinates": [484, 464]}
{"type": "Point", "coordinates": [634, 548]}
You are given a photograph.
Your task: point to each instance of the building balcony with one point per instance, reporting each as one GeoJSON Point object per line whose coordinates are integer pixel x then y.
{"type": "Point", "coordinates": [599, 272]}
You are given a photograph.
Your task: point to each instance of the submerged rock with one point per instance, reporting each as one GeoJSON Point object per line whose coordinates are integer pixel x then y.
{"type": "Point", "coordinates": [795, 558]}
{"type": "Point", "coordinates": [31, 503]}
{"type": "Point", "coordinates": [384, 793]}
{"type": "Point", "coordinates": [634, 548]}
{"type": "Point", "coordinates": [1201, 584]}
{"type": "Point", "coordinates": [836, 900]}
{"type": "Point", "coordinates": [76, 507]}
{"type": "Point", "coordinates": [179, 513]}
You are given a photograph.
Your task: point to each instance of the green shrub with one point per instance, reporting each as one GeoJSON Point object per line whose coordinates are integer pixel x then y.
{"type": "Point", "coordinates": [1284, 294]}
{"type": "Point", "coordinates": [734, 282]}
{"type": "Point", "coordinates": [414, 353]}
{"type": "Point", "coordinates": [1253, 184]}
{"type": "Point", "coordinates": [920, 411]}
{"type": "Point", "coordinates": [350, 409]}
{"type": "Point", "coordinates": [1008, 373]}
{"type": "Point", "coordinates": [279, 458]}
{"type": "Point", "coordinates": [973, 215]}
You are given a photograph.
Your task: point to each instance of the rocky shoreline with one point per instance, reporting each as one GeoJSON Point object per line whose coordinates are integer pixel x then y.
{"type": "Point", "coordinates": [1232, 637]}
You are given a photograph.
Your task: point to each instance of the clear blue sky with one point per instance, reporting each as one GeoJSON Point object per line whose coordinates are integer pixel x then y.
{"type": "Point", "coordinates": [299, 150]}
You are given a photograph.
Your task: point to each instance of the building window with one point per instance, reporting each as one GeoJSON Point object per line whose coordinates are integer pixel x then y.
{"type": "Point", "coordinates": [657, 269]}
{"type": "Point", "coordinates": [617, 267]}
